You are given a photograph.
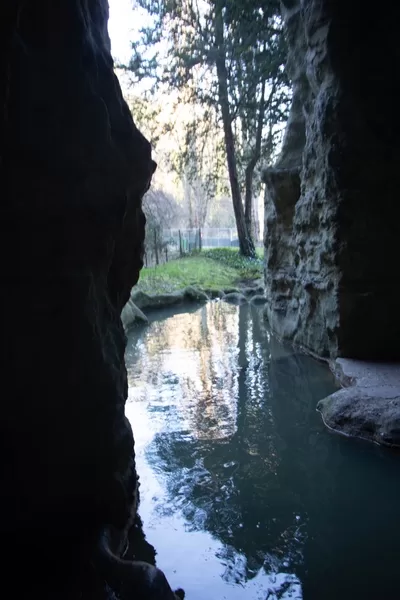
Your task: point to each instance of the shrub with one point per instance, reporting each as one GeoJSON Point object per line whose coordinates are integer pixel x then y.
{"type": "Point", "coordinates": [248, 267]}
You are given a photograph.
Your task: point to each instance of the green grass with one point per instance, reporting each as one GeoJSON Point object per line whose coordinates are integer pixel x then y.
{"type": "Point", "coordinates": [247, 267]}
{"type": "Point", "coordinates": [215, 269]}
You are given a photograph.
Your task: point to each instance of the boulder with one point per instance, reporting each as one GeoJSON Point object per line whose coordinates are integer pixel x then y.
{"type": "Point", "coordinates": [258, 300]}
{"type": "Point", "coordinates": [249, 291]}
{"type": "Point", "coordinates": [363, 415]}
{"type": "Point", "coordinates": [213, 293]}
{"type": "Point", "coordinates": [260, 289]}
{"type": "Point", "coordinates": [369, 406]}
{"type": "Point", "coordinates": [193, 294]}
{"type": "Point", "coordinates": [140, 299]}
{"type": "Point", "coordinates": [156, 301]}
{"type": "Point", "coordinates": [235, 298]}
{"type": "Point", "coordinates": [131, 315]}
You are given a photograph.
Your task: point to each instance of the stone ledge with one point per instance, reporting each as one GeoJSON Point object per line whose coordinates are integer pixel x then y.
{"type": "Point", "coordinates": [368, 407]}
{"type": "Point", "coordinates": [139, 301]}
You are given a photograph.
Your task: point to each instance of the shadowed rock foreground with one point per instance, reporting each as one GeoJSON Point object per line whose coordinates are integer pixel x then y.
{"type": "Point", "coordinates": [369, 406]}
{"type": "Point", "coordinates": [332, 225]}
{"type": "Point", "coordinates": [332, 213]}
{"type": "Point", "coordinates": [73, 171]}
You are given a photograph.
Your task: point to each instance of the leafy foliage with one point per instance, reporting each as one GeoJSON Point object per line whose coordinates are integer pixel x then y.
{"type": "Point", "coordinates": [226, 56]}
{"type": "Point", "coordinates": [230, 257]}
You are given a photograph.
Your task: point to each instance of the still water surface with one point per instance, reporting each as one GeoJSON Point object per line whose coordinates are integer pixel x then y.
{"type": "Point", "coordinates": [244, 494]}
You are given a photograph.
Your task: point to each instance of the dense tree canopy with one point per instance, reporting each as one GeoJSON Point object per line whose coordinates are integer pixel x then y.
{"type": "Point", "coordinates": [226, 56]}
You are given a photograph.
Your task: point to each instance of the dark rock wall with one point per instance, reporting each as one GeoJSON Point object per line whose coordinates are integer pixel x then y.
{"type": "Point", "coordinates": [73, 171]}
{"type": "Point", "coordinates": [332, 218]}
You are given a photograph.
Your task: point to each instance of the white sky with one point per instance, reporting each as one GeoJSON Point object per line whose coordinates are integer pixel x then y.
{"type": "Point", "coordinates": [121, 26]}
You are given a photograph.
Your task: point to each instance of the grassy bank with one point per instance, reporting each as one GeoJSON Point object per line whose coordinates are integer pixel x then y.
{"type": "Point", "coordinates": [216, 269]}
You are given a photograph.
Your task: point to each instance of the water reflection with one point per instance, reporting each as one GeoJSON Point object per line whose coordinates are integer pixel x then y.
{"type": "Point", "coordinates": [186, 359]}
{"type": "Point", "coordinates": [239, 478]}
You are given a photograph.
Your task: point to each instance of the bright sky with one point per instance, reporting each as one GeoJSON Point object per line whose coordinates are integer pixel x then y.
{"type": "Point", "coordinates": [121, 26]}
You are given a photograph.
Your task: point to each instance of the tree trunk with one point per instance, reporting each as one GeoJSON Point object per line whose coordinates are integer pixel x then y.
{"type": "Point", "coordinates": [246, 244]}
{"type": "Point", "coordinates": [255, 223]}
{"type": "Point", "coordinates": [248, 201]}
{"type": "Point", "coordinates": [180, 244]}
{"type": "Point", "coordinates": [253, 162]}
{"type": "Point", "coordinates": [156, 247]}
{"type": "Point", "coordinates": [190, 206]}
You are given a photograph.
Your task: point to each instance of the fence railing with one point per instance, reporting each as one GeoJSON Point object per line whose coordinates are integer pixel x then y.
{"type": "Point", "coordinates": [175, 243]}
{"type": "Point", "coordinates": [207, 237]}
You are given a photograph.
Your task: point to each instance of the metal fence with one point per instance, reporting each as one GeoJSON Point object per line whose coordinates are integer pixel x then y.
{"type": "Point", "coordinates": [195, 239]}
{"type": "Point", "coordinates": [174, 243]}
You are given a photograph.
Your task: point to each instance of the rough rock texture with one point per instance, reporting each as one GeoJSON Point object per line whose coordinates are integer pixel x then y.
{"type": "Point", "coordinates": [258, 300]}
{"type": "Point", "coordinates": [369, 406]}
{"type": "Point", "coordinates": [73, 169]}
{"type": "Point", "coordinates": [249, 292]}
{"type": "Point", "coordinates": [156, 301]}
{"type": "Point", "coordinates": [132, 315]}
{"type": "Point", "coordinates": [193, 294]}
{"type": "Point", "coordinates": [213, 293]}
{"type": "Point", "coordinates": [331, 207]}
{"type": "Point", "coordinates": [235, 298]}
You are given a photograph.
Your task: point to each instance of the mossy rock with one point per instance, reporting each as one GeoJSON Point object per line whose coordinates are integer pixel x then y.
{"type": "Point", "coordinates": [141, 299]}
{"type": "Point", "coordinates": [161, 300]}
{"type": "Point", "coordinates": [193, 294]}
{"type": "Point", "coordinates": [249, 292]}
{"type": "Point", "coordinates": [213, 293]}
{"type": "Point", "coordinates": [154, 301]}
{"type": "Point", "coordinates": [235, 298]}
{"type": "Point", "coordinates": [132, 315]}
{"type": "Point", "coordinates": [149, 301]}
{"type": "Point", "coordinates": [258, 300]}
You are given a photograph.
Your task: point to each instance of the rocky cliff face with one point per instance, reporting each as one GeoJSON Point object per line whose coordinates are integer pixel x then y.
{"type": "Point", "coordinates": [331, 224]}
{"type": "Point", "coordinates": [73, 171]}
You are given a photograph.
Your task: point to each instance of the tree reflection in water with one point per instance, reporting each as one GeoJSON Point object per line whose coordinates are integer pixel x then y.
{"type": "Point", "coordinates": [231, 461]}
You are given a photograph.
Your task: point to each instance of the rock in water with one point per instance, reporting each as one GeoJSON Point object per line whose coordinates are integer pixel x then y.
{"type": "Point", "coordinates": [369, 407]}
{"type": "Point", "coordinates": [258, 300]}
{"type": "Point", "coordinates": [235, 298]}
{"type": "Point", "coordinates": [132, 315]}
{"type": "Point", "coordinates": [73, 171]}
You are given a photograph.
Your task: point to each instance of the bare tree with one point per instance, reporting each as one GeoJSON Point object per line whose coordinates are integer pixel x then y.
{"type": "Point", "coordinates": [161, 210]}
